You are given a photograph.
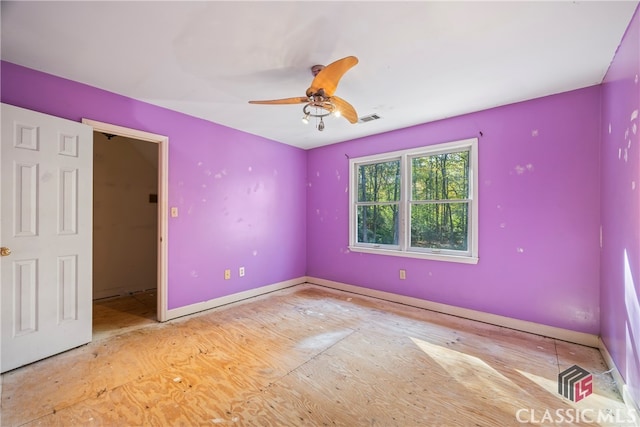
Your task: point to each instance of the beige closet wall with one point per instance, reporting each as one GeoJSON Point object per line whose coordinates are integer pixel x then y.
{"type": "Point", "coordinates": [125, 173]}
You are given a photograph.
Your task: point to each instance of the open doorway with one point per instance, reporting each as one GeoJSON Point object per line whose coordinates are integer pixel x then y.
{"type": "Point", "coordinates": [130, 228]}
{"type": "Point", "coordinates": [125, 233]}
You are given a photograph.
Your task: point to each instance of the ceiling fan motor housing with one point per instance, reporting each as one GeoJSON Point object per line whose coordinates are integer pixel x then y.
{"type": "Point", "coordinates": [316, 69]}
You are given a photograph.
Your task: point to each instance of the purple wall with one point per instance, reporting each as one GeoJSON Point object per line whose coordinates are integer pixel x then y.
{"type": "Point", "coordinates": [620, 209]}
{"type": "Point", "coordinates": [538, 213]}
{"type": "Point", "coordinates": [239, 196]}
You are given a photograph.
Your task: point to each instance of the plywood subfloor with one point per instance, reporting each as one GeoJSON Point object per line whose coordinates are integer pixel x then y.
{"type": "Point", "coordinates": [305, 356]}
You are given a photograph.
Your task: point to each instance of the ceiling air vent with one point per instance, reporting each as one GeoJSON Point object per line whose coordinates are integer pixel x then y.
{"type": "Point", "coordinates": [369, 118]}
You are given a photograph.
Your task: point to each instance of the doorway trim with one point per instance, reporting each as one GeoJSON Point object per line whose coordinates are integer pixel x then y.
{"type": "Point", "coordinates": [163, 202]}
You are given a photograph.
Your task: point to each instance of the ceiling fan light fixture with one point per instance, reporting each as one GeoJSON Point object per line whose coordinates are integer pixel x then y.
{"type": "Point", "coordinates": [318, 108]}
{"type": "Point", "coordinates": [305, 119]}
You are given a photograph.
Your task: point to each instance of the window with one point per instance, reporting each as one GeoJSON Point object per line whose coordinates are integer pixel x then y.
{"type": "Point", "coordinates": [419, 203]}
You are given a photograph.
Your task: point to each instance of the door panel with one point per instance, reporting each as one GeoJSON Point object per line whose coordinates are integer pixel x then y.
{"type": "Point", "coordinates": [46, 211]}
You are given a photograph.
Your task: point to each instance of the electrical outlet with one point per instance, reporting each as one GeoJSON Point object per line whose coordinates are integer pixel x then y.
{"type": "Point", "coordinates": [403, 274]}
{"type": "Point", "coordinates": [241, 272]}
{"type": "Point", "coordinates": [174, 212]}
{"type": "Point", "coordinates": [227, 274]}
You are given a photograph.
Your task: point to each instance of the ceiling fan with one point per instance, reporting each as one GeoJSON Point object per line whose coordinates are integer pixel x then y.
{"type": "Point", "coordinates": [320, 100]}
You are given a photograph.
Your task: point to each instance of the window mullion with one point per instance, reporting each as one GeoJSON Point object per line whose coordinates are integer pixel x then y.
{"type": "Point", "coordinates": [405, 195]}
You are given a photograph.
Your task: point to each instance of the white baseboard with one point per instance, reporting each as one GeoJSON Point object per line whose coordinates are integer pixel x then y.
{"type": "Point", "coordinates": [228, 299]}
{"type": "Point", "coordinates": [617, 377]}
{"type": "Point", "coordinates": [507, 322]}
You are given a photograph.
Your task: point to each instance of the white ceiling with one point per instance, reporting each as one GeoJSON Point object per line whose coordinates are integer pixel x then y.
{"type": "Point", "coordinates": [419, 61]}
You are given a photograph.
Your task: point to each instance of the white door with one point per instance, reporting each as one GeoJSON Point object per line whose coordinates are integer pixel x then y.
{"type": "Point", "coordinates": [46, 167]}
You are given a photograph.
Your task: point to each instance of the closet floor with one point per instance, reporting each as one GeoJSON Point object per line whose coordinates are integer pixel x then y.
{"type": "Point", "coordinates": [117, 315]}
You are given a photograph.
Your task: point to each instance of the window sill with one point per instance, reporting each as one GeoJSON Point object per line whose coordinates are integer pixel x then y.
{"type": "Point", "coordinates": [419, 255]}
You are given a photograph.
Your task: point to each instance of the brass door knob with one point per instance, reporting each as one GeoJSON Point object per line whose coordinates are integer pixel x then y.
{"type": "Point", "coordinates": [4, 251]}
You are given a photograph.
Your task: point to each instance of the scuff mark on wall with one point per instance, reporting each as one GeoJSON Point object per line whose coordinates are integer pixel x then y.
{"type": "Point", "coordinates": [522, 169]}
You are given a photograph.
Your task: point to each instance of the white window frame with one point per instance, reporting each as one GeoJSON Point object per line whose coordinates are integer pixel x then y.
{"type": "Point", "coordinates": [403, 249]}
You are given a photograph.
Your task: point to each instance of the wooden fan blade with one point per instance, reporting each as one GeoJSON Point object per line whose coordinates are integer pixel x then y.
{"type": "Point", "coordinates": [346, 110]}
{"type": "Point", "coordinates": [298, 100]}
{"type": "Point", "coordinates": [330, 76]}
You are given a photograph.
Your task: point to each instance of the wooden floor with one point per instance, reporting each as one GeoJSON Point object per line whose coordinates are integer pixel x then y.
{"type": "Point", "coordinates": [304, 356]}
